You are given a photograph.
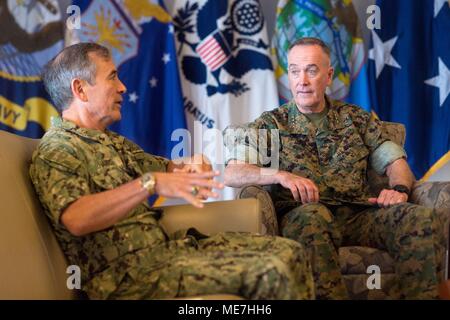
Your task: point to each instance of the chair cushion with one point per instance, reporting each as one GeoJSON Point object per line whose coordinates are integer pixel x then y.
{"type": "Point", "coordinates": [32, 263]}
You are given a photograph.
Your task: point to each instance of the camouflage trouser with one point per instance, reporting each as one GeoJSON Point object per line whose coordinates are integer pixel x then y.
{"type": "Point", "coordinates": [251, 266]}
{"type": "Point", "coordinates": [409, 233]}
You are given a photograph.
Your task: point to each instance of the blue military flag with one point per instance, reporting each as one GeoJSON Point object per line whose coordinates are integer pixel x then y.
{"type": "Point", "coordinates": [141, 39]}
{"type": "Point", "coordinates": [31, 33]}
{"type": "Point", "coordinates": [410, 77]}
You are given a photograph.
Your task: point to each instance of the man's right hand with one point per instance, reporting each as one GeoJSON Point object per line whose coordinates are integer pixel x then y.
{"type": "Point", "coordinates": [303, 189]}
{"type": "Point", "coordinates": [181, 184]}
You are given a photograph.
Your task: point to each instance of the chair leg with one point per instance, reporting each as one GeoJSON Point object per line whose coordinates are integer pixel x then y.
{"type": "Point", "coordinates": [444, 290]}
{"type": "Point", "coordinates": [444, 287]}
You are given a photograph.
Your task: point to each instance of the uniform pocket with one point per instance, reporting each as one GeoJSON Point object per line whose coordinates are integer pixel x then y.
{"type": "Point", "coordinates": [351, 149]}
{"type": "Point", "coordinates": [346, 174]}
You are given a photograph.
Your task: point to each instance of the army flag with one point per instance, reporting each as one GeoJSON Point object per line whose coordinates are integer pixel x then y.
{"type": "Point", "coordinates": [225, 67]}
{"type": "Point", "coordinates": [141, 38]}
{"type": "Point", "coordinates": [335, 22]}
{"type": "Point", "coordinates": [410, 77]}
{"type": "Point", "coordinates": [31, 33]}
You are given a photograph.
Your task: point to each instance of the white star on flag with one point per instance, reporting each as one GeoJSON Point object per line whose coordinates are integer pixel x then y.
{"type": "Point", "coordinates": [438, 4]}
{"type": "Point", "coordinates": [381, 53]}
{"type": "Point", "coordinates": [166, 58]}
{"type": "Point", "coordinates": [153, 82]}
{"type": "Point", "coordinates": [133, 97]}
{"type": "Point", "coordinates": [442, 81]}
{"type": "Point", "coordinates": [171, 28]}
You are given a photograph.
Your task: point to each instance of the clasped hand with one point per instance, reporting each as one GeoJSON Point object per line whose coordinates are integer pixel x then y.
{"type": "Point", "coordinates": [193, 181]}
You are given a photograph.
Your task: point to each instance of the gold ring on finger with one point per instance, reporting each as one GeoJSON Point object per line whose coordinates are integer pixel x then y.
{"type": "Point", "coordinates": [194, 191]}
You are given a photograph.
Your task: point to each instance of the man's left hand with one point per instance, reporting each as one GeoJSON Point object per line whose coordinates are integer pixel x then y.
{"type": "Point", "coordinates": [389, 198]}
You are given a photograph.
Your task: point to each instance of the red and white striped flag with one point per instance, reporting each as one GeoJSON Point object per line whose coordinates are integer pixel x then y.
{"type": "Point", "coordinates": [213, 51]}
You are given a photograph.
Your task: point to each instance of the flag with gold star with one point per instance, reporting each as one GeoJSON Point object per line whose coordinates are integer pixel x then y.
{"type": "Point", "coordinates": [139, 34]}
{"type": "Point", "coordinates": [410, 77]}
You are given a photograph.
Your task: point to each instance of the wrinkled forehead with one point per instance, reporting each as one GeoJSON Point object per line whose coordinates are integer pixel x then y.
{"type": "Point", "coordinates": [304, 55]}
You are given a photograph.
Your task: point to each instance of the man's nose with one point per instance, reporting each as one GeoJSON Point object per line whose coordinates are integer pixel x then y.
{"type": "Point", "coordinates": [122, 88]}
{"type": "Point", "coordinates": [304, 81]}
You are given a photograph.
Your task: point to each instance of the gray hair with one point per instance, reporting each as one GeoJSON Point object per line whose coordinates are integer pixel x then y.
{"type": "Point", "coordinates": [72, 62]}
{"type": "Point", "coordinates": [310, 41]}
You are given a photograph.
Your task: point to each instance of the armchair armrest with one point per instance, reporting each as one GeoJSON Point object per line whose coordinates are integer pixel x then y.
{"type": "Point", "coordinates": [436, 195]}
{"type": "Point", "coordinates": [432, 194]}
{"type": "Point", "coordinates": [236, 215]}
{"type": "Point", "coordinates": [268, 214]}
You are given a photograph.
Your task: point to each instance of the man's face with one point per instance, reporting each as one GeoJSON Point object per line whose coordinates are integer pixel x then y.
{"type": "Point", "coordinates": [105, 96]}
{"type": "Point", "coordinates": [309, 74]}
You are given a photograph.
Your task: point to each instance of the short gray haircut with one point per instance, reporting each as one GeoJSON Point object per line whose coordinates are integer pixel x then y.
{"type": "Point", "coordinates": [310, 41]}
{"type": "Point", "coordinates": [72, 62]}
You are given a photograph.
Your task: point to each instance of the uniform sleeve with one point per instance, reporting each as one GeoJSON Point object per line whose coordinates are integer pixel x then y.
{"type": "Point", "coordinates": [153, 163]}
{"type": "Point", "coordinates": [373, 137]}
{"type": "Point", "coordinates": [250, 142]}
{"type": "Point", "coordinates": [59, 178]}
{"type": "Point", "coordinates": [384, 155]}
{"type": "Point", "coordinates": [382, 151]}
{"type": "Point", "coordinates": [146, 161]}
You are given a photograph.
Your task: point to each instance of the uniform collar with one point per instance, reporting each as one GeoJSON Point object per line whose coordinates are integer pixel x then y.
{"type": "Point", "coordinates": [107, 137]}
{"type": "Point", "coordinates": [300, 124]}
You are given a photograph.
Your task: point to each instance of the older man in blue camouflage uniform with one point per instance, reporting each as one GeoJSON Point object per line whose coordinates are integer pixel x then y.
{"type": "Point", "coordinates": [321, 190]}
{"type": "Point", "coordinates": [93, 185]}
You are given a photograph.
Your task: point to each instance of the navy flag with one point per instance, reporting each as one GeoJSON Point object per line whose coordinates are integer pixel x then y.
{"type": "Point", "coordinates": [31, 33]}
{"type": "Point", "coordinates": [140, 36]}
{"type": "Point", "coordinates": [410, 77]}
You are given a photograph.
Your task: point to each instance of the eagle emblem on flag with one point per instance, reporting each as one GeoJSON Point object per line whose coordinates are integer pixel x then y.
{"type": "Point", "coordinates": [223, 39]}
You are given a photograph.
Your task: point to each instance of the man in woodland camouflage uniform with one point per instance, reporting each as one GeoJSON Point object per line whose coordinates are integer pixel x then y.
{"type": "Point", "coordinates": [93, 185]}
{"type": "Point", "coordinates": [320, 188]}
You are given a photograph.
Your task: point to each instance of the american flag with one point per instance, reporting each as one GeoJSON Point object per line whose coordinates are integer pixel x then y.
{"type": "Point", "coordinates": [213, 51]}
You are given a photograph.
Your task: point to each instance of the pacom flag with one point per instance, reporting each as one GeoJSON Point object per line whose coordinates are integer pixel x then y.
{"type": "Point", "coordinates": [31, 33]}
{"type": "Point", "coordinates": [335, 22]}
{"type": "Point", "coordinates": [226, 69]}
{"type": "Point", "coordinates": [410, 77]}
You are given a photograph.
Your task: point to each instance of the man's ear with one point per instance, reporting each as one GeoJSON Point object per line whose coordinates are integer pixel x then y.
{"type": "Point", "coordinates": [330, 76]}
{"type": "Point", "coordinates": [78, 89]}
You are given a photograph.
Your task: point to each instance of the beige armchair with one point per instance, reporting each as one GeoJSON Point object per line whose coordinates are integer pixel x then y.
{"type": "Point", "coordinates": [355, 260]}
{"type": "Point", "coordinates": [32, 263]}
